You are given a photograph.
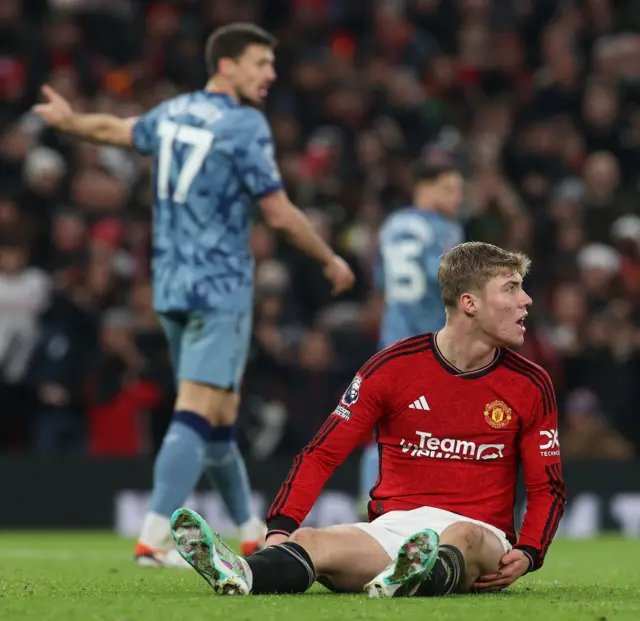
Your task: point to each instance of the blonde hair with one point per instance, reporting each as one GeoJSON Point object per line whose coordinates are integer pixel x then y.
{"type": "Point", "coordinates": [467, 268]}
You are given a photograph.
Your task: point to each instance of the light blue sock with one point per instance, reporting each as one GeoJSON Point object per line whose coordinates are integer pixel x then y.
{"type": "Point", "coordinates": [368, 470]}
{"type": "Point", "coordinates": [180, 461]}
{"type": "Point", "coordinates": [225, 468]}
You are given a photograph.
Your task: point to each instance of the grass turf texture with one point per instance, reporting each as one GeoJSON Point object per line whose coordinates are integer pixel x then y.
{"type": "Point", "coordinates": [87, 577]}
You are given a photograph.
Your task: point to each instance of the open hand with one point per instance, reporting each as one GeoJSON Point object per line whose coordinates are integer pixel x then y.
{"type": "Point", "coordinates": [512, 566]}
{"type": "Point", "coordinates": [56, 109]}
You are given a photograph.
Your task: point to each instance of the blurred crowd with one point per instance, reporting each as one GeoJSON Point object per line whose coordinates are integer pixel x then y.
{"type": "Point", "coordinates": [538, 101]}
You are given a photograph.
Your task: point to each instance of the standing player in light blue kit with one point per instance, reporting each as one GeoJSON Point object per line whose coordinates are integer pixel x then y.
{"type": "Point", "coordinates": [214, 170]}
{"type": "Point", "coordinates": [411, 242]}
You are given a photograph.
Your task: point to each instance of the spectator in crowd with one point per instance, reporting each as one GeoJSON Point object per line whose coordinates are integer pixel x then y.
{"type": "Point", "coordinates": [120, 389]}
{"type": "Point", "coordinates": [24, 296]}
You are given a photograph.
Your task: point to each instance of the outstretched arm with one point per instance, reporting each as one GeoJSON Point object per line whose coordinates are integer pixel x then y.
{"type": "Point", "coordinates": [281, 215]}
{"type": "Point", "coordinates": [255, 161]}
{"type": "Point", "coordinates": [57, 112]}
{"type": "Point", "coordinates": [350, 424]}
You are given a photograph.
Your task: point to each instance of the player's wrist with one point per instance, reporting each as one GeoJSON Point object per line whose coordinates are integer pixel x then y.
{"type": "Point", "coordinates": [276, 536]}
{"type": "Point", "coordinates": [281, 525]}
{"type": "Point", "coordinates": [67, 123]}
{"type": "Point", "coordinates": [531, 554]}
{"type": "Point", "coordinates": [329, 258]}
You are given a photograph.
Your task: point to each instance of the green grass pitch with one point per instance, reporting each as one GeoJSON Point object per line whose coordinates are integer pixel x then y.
{"type": "Point", "coordinates": [90, 577]}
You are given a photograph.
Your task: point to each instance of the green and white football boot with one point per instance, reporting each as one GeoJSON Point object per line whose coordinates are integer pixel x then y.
{"type": "Point", "coordinates": [211, 557]}
{"type": "Point", "coordinates": [415, 560]}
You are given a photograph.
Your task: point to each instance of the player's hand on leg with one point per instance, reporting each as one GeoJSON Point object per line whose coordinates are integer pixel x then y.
{"type": "Point", "coordinates": [512, 566]}
{"type": "Point", "coordinates": [339, 274]}
{"type": "Point", "coordinates": [56, 108]}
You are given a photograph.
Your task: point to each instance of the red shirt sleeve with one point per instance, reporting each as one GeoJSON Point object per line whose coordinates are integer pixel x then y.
{"type": "Point", "coordinates": [546, 492]}
{"type": "Point", "coordinates": [349, 425]}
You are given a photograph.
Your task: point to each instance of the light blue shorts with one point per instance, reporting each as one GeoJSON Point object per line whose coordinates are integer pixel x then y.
{"type": "Point", "coordinates": [209, 347]}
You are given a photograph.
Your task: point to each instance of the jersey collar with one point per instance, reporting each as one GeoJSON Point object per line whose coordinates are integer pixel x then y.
{"type": "Point", "coordinates": [475, 373]}
{"type": "Point", "coordinates": [224, 96]}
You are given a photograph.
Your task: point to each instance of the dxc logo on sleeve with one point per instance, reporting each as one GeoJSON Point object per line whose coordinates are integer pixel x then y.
{"type": "Point", "coordinates": [549, 443]}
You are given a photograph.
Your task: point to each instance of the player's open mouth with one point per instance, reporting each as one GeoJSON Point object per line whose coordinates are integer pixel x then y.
{"type": "Point", "coordinates": [520, 323]}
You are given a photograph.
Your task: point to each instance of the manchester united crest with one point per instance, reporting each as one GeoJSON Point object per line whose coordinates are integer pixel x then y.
{"type": "Point", "coordinates": [497, 414]}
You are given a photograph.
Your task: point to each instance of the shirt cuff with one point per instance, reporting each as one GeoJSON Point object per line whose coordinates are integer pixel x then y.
{"type": "Point", "coordinates": [269, 190]}
{"type": "Point", "coordinates": [136, 137]}
{"type": "Point", "coordinates": [282, 525]}
{"type": "Point", "coordinates": [532, 554]}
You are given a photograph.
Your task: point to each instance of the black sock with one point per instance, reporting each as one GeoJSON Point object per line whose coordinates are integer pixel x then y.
{"type": "Point", "coordinates": [285, 568]}
{"type": "Point", "coordinates": [447, 574]}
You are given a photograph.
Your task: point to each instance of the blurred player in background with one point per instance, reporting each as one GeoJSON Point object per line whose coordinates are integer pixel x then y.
{"type": "Point", "coordinates": [441, 518]}
{"type": "Point", "coordinates": [214, 169]}
{"type": "Point", "coordinates": [412, 240]}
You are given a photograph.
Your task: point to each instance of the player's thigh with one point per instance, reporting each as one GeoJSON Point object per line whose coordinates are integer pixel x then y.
{"type": "Point", "coordinates": [213, 354]}
{"type": "Point", "coordinates": [345, 557]}
{"type": "Point", "coordinates": [483, 545]}
{"type": "Point", "coordinates": [173, 325]}
{"type": "Point", "coordinates": [448, 524]}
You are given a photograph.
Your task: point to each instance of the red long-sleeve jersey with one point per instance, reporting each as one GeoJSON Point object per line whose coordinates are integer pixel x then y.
{"type": "Point", "coordinates": [447, 439]}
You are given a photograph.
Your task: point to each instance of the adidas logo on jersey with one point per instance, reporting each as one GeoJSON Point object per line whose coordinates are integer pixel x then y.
{"type": "Point", "coordinates": [420, 404]}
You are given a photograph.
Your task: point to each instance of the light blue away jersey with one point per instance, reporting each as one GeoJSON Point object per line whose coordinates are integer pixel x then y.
{"type": "Point", "coordinates": [213, 159]}
{"type": "Point", "coordinates": [411, 244]}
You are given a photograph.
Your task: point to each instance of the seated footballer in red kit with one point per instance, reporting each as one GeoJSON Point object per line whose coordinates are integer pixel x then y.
{"type": "Point", "coordinates": [456, 414]}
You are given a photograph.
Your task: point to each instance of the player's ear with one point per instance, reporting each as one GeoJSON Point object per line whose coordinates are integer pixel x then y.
{"type": "Point", "coordinates": [468, 304]}
{"type": "Point", "coordinates": [226, 66]}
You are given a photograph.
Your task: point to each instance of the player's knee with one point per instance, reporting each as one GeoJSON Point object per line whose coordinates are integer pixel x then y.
{"type": "Point", "coordinates": [306, 537]}
{"type": "Point", "coordinates": [466, 534]}
{"type": "Point", "coordinates": [206, 401]}
{"type": "Point", "coordinates": [315, 543]}
{"type": "Point", "coordinates": [227, 417]}
{"type": "Point", "coordinates": [228, 411]}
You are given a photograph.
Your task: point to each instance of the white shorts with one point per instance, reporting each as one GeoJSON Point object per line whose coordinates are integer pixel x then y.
{"type": "Point", "coordinates": [392, 529]}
